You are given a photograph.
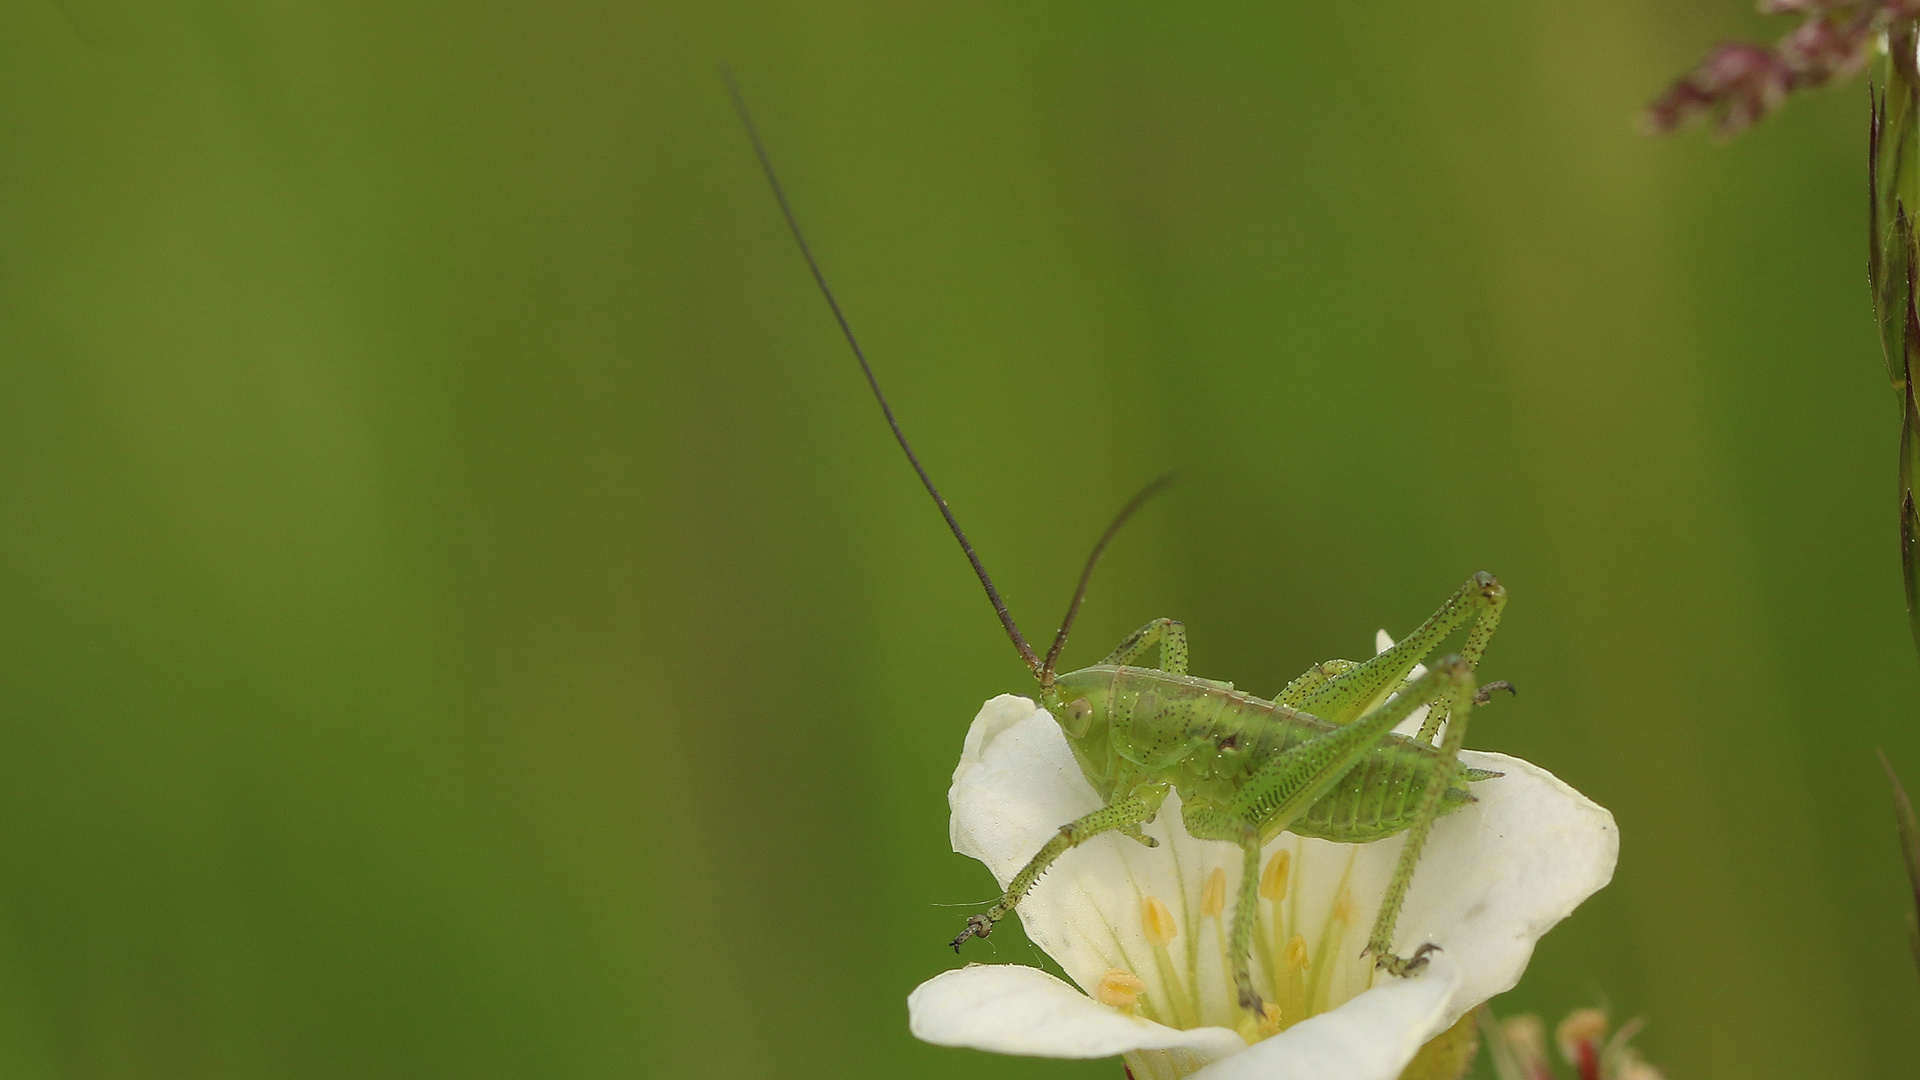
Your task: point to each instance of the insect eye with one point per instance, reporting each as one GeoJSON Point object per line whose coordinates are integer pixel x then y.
{"type": "Point", "coordinates": [1079, 714]}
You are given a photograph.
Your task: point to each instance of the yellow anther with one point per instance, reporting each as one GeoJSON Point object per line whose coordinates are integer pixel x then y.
{"type": "Point", "coordinates": [1528, 1038]}
{"type": "Point", "coordinates": [1296, 954]}
{"type": "Point", "coordinates": [1157, 921]}
{"type": "Point", "coordinates": [1273, 880]}
{"type": "Point", "coordinates": [1639, 1070]}
{"type": "Point", "coordinates": [1343, 906]}
{"type": "Point", "coordinates": [1269, 1019]}
{"type": "Point", "coordinates": [1120, 988]}
{"type": "Point", "coordinates": [1213, 895]}
{"type": "Point", "coordinates": [1580, 1026]}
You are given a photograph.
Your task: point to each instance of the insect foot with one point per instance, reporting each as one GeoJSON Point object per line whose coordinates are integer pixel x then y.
{"type": "Point", "coordinates": [1143, 936]}
{"type": "Point", "coordinates": [1400, 967]}
{"type": "Point", "coordinates": [977, 926]}
{"type": "Point", "coordinates": [1485, 693]}
{"type": "Point", "coordinates": [1250, 1001]}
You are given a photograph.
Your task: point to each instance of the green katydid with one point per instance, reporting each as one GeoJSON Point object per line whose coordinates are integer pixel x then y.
{"type": "Point", "coordinates": [1321, 759]}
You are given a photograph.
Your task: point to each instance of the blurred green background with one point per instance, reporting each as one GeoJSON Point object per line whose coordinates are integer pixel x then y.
{"type": "Point", "coordinates": [463, 616]}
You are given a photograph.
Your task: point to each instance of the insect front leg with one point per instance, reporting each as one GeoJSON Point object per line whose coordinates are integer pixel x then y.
{"type": "Point", "coordinates": [1125, 815]}
{"type": "Point", "coordinates": [1169, 634]}
{"type": "Point", "coordinates": [1340, 695]}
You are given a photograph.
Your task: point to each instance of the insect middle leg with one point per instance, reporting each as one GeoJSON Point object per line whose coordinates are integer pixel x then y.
{"type": "Point", "coordinates": [1124, 815]}
{"type": "Point", "coordinates": [1283, 788]}
{"type": "Point", "coordinates": [1209, 823]}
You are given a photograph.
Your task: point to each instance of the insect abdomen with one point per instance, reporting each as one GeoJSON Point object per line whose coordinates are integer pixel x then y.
{"type": "Point", "coordinates": [1212, 737]}
{"type": "Point", "coordinates": [1378, 796]}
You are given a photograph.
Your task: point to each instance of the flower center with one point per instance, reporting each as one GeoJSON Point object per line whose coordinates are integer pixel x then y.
{"type": "Point", "coordinates": [1305, 957]}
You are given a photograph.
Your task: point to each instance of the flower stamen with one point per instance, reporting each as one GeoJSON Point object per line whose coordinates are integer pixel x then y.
{"type": "Point", "coordinates": [1275, 879]}
{"type": "Point", "coordinates": [1330, 937]}
{"type": "Point", "coordinates": [1121, 989]}
{"type": "Point", "coordinates": [1276, 882]}
{"type": "Point", "coordinates": [1213, 901]}
{"type": "Point", "coordinates": [1294, 995]}
{"type": "Point", "coordinates": [1269, 1019]}
{"type": "Point", "coordinates": [1213, 895]}
{"type": "Point", "coordinates": [1157, 923]}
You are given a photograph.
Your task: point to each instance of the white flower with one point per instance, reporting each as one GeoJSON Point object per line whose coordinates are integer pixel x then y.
{"type": "Point", "coordinates": [1143, 929]}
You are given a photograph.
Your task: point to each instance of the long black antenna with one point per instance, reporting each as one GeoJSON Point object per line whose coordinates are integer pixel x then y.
{"type": "Point", "coordinates": [1154, 487]}
{"type": "Point", "coordinates": [846, 330]}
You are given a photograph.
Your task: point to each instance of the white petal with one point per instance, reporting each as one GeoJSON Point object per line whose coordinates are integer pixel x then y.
{"type": "Point", "coordinates": [1371, 1037]}
{"type": "Point", "coordinates": [1016, 784]}
{"type": "Point", "coordinates": [1011, 1009]}
{"type": "Point", "coordinates": [1494, 877]}
{"type": "Point", "coordinates": [1019, 787]}
{"type": "Point", "coordinates": [1497, 875]}
{"type": "Point", "coordinates": [1382, 641]}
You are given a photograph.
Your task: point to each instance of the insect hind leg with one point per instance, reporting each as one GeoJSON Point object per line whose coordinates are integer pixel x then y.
{"type": "Point", "coordinates": [1314, 679]}
{"type": "Point", "coordinates": [1288, 783]}
{"type": "Point", "coordinates": [1276, 794]}
{"type": "Point", "coordinates": [1341, 695]}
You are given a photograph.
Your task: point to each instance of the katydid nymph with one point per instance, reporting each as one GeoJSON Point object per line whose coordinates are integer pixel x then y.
{"type": "Point", "coordinates": [1320, 759]}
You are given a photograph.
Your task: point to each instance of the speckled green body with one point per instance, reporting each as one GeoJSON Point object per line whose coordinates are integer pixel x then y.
{"type": "Point", "coordinates": [1206, 739]}
{"type": "Point", "coordinates": [1321, 759]}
